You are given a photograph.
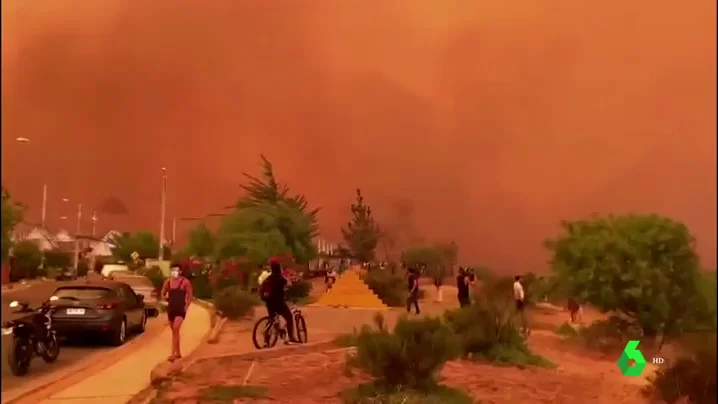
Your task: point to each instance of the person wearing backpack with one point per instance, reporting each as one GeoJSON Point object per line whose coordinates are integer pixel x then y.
{"type": "Point", "coordinates": [272, 292]}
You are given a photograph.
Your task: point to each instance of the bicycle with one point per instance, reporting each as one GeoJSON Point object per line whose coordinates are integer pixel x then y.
{"type": "Point", "coordinates": [273, 328]}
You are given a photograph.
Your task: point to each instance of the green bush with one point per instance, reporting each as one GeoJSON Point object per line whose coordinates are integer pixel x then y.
{"type": "Point", "coordinates": [154, 274]}
{"type": "Point", "coordinates": [298, 291]}
{"type": "Point", "coordinates": [390, 288]}
{"type": "Point", "coordinates": [58, 259]}
{"type": "Point", "coordinates": [610, 335]}
{"type": "Point", "coordinates": [201, 286]}
{"type": "Point", "coordinates": [692, 376]}
{"type": "Point", "coordinates": [233, 302]}
{"type": "Point", "coordinates": [566, 330]}
{"type": "Point", "coordinates": [408, 357]}
{"type": "Point", "coordinates": [486, 330]}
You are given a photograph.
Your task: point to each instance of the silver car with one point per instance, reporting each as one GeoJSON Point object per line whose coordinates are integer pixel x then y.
{"type": "Point", "coordinates": [141, 285]}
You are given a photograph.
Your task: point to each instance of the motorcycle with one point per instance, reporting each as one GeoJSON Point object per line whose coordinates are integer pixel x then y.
{"type": "Point", "coordinates": [25, 331]}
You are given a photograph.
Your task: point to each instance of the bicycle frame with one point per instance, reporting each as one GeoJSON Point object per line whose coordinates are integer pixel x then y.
{"type": "Point", "coordinates": [279, 323]}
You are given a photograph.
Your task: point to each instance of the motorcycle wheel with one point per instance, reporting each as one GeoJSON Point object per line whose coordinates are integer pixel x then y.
{"type": "Point", "coordinates": [52, 349]}
{"type": "Point", "coordinates": [18, 356]}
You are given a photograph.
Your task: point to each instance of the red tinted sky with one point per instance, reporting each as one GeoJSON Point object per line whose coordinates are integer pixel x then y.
{"type": "Point", "coordinates": [494, 119]}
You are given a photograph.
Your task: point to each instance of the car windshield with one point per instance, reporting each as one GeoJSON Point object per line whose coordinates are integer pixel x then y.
{"type": "Point", "coordinates": [135, 281]}
{"type": "Point", "coordinates": [84, 292]}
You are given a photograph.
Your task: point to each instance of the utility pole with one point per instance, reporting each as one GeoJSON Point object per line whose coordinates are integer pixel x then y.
{"type": "Point", "coordinates": [43, 218]}
{"type": "Point", "coordinates": [162, 219]}
{"type": "Point", "coordinates": [77, 235]}
{"type": "Point", "coordinates": [94, 223]}
{"type": "Point", "coordinates": [174, 231]}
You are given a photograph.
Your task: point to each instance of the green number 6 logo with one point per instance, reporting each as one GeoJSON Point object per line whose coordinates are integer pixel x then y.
{"type": "Point", "coordinates": [631, 352]}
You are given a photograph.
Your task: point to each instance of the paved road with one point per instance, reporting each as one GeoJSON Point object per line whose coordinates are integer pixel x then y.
{"type": "Point", "coordinates": [69, 354]}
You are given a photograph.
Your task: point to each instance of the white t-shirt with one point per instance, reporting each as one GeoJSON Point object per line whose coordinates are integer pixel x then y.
{"type": "Point", "coordinates": [518, 291]}
{"type": "Point", "coordinates": [263, 277]}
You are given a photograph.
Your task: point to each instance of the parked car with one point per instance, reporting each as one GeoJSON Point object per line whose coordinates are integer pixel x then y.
{"type": "Point", "coordinates": [66, 274]}
{"type": "Point", "coordinates": [142, 286]}
{"type": "Point", "coordinates": [109, 269]}
{"type": "Point", "coordinates": [109, 308]}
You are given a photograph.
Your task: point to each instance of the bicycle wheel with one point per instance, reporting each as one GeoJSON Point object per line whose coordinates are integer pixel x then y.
{"type": "Point", "coordinates": [301, 325]}
{"type": "Point", "coordinates": [263, 334]}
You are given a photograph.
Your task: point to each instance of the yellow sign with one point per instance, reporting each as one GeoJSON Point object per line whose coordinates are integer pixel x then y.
{"type": "Point", "coordinates": [134, 255]}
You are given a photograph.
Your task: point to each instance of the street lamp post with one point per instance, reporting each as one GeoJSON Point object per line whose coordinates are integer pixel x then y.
{"type": "Point", "coordinates": [164, 211]}
{"type": "Point", "coordinates": [94, 223]}
{"type": "Point", "coordinates": [43, 217]}
{"type": "Point", "coordinates": [77, 235]}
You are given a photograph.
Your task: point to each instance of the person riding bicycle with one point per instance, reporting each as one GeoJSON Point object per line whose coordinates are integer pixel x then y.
{"type": "Point", "coordinates": [272, 292]}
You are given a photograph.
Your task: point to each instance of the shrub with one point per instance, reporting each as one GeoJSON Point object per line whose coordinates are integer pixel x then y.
{"type": "Point", "coordinates": [154, 274]}
{"type": "Point", "coordinates": [692, 376]}
{"type": "Point", "coordinates": [390, 288]}
{"type": "Point", "coordinates": [566, 330]}
{"type": "Point", "coordinates": [486, 330]}
{"type": "Point", "coordinates": [408, 357]}
{"type": "Point", "coordinates": [26, 258]}
{"type": "Point", "coordinates": [57, 259]}
{"type": "Point", "coordinates": [233, 302]}
{"type": "Point", "coordinates": [201, 287]}
{"type": "Point", "coordinates": [298, 291]}
{"type": "Point", "coordinates": [230, 273]}
{"type": "Point", "coordinates": [611, 335]}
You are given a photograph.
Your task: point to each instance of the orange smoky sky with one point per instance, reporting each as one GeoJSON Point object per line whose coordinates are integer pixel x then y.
{"type": "Point", "coordinates": [492, 120]}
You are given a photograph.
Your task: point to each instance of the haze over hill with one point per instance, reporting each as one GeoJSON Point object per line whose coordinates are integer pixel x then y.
{"type": "Point", "coordinates": [495, 119]}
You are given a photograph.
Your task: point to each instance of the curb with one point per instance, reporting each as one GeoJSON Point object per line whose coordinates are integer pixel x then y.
{"type": "Point", "coordinates": [63, 378]}
{"type": "Point", "coordinates": [213, 336]}
{"type": "Point", "coordinates": [147, 394]}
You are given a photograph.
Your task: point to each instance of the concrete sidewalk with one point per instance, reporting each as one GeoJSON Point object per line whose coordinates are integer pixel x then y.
{"type": "Point", "coordinates": [121, 381]}
{"type": "Point", "coordinates": [20, 286]}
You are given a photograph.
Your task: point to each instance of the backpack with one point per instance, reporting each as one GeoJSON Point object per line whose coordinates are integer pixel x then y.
{"type": "Point", "coordinates": [265, 289]}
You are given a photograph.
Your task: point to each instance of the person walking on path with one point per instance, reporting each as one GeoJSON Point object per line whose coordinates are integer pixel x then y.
{"type": "Point", "coordinates": [177, 291]}
{"type": "Point", "coordinates": [463, 281]}
{"type": "Point", "coordinates": [575, 309]}
{"type": "Point", "coordinates": [413, 298]}
{"type": "Point", "coordinates": [330, 278]}
{"type": "Point", "coordinates": [519, 297]}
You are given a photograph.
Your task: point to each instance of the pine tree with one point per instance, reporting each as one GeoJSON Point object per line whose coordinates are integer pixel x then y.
{"type": "Point", "coordinates": [361, 234]}
{"type": "Point", "coordinates": [264, 192]}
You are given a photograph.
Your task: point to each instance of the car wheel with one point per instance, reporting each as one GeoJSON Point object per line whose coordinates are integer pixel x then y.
{"type": "Point", "coordinates": [120, 335]}
{"type": "Point", "coordinates": [143, 323]}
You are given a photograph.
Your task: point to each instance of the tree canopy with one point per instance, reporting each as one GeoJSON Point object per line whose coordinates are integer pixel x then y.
{"type": "Point", "coordinates": [641, 265]}
{"type": "Point", "coordinates": [27, 258]}
{"type": "Point", "coordinates": [362, 233]}
{"type": "Point", "coordinates": [145, 243]}
{"type": "Point", "coordinates": [201, 242]}
{"type": "Point", "coordinates": [267, 190]}
{"type": "Point", "coordinates": [255, 232]}
{"type": "Point", "coordinates": [12, 213]}
{"type": "Point", "coordinates": [268, 220]}
{"type": "Point", "coordinates": [436, 259]}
